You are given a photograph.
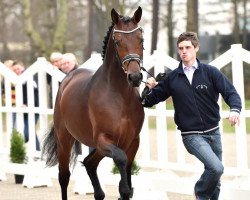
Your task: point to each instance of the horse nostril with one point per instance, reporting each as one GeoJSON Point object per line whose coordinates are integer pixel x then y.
{"type": "Point", "coordinates": [141, 76]}
{"type": "Point", "coordinates": [132, 77]}
{"type": "Point", "coordinates": [135, 79]}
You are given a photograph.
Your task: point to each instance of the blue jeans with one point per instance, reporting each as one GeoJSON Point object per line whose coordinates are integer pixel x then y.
{"type": "Point", "coordinates": [26, 130]}
{"type": "Point", "coordinates": [208, 149]}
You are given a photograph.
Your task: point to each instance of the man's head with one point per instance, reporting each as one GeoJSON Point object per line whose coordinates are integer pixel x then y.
{"type": "Point", "coordinates": [55, 59]}
{"type": "Point", "coordinates": [9, 63]}
{"type": "Point", "coordinates": [18, 67]}
{"type": "Point", "coordinates": [188, 45]}
{"type": "Point", "coordinates": [68, 62]}
{"type": "Point", "coordinates": [189, 36]}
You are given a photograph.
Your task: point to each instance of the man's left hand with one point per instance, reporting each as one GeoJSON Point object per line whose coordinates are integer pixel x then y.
{"type": "Point", "coordinates": [234, 118]}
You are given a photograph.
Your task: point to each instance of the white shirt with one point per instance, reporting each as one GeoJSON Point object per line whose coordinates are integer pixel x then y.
{"type": "Point", "coordinates": [189, 71]}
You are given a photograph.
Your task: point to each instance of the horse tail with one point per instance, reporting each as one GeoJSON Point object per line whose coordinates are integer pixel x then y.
{"type": "Point", "coordinates": [77, 150]}
{"type": "Point", "coordinates": [49, 149]}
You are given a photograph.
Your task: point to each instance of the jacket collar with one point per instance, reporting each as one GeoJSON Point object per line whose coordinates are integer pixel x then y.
{"type": "Point", "coordinates": [180, 68]}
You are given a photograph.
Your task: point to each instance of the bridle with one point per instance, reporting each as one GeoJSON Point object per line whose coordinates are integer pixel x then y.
{"type": "Point", "coordinates": [129, 57]}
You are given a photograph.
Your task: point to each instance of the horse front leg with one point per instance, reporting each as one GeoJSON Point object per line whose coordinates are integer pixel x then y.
{"type": "Point", "coordinates": [120, 159]}
{"type": "Point", "coordinates": [91, 163]}
{"type": "Point", "coordinates": [131, 153]}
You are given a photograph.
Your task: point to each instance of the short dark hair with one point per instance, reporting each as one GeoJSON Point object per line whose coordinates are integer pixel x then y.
{"type": "Point", "coordinates": [189, 36]}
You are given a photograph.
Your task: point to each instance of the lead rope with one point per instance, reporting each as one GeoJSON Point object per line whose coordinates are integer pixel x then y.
{"type": "Point", "coordinates": [143, 69]}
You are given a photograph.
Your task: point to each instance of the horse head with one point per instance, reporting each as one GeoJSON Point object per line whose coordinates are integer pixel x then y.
{"type": "Point", "coordinates": [128, 42]}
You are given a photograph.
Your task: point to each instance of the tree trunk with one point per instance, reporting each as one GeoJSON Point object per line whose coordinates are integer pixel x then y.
{"type": "Point", "coordinates": [170, 28]}
{"type": "Point", "coordinates": [236, 29]}
{"type": "Point", "coordinates": [89, 47]}
{"type": "Point", "coordinates": [192, 16]}
{"type": "Point", "coordinates": [155, 23]}
{"type": "Point", "coordinates": [3, 38]}
{"type": "Point", "coordinates": [244, 41]}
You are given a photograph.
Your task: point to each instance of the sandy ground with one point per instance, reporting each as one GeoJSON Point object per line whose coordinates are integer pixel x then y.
{"type": "Point", "coordinates": [11, 191]}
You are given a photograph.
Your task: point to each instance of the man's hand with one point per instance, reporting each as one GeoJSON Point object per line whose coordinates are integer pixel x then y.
{"type": "Point", "coordinates": [151, 83]}
{"type": "Point", "coordinates": [234, 118]}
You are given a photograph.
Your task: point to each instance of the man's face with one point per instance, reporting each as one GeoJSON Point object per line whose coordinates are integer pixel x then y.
{"type": "Point", "coordinates": [187, 51]}
{"type": "Point", "coordinates": [67, 65]}
{"type": "Point", "coordinates": [18, 69]}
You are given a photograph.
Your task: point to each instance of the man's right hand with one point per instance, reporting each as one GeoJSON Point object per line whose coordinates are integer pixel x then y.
{"type": "Point", "coordinates": [151, 83]}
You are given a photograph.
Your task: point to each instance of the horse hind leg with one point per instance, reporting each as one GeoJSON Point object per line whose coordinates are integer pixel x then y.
{"type": "Point", "coordinates": [64, 154]}
{"type": "Point", "coordinates": [91, 163]}
{"type": "Point", "coordinates": [63, 177]}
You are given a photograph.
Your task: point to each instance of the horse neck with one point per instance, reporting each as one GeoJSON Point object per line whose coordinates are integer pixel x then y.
{"type": "Point", "coordinates": [112, 69]}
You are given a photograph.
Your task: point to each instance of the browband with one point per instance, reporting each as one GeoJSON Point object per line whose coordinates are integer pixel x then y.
{"type": "Point", "coordinates": [120, 31]}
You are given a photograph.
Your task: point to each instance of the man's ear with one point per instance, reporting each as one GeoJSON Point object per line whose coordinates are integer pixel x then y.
{"type": "Point", "coordinates": [196, 49]}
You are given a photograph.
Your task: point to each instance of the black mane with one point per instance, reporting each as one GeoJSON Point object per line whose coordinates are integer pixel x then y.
{"type": "Point", "coordinates": [105, 41]}
{"type": "Point", "coordinates": [106, 38]}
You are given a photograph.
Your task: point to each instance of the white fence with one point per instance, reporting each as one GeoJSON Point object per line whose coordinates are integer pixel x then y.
{"type": "Point", "coordinates": [161, 154]}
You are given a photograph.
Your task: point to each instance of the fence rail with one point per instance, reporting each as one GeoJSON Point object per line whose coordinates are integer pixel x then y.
{"type": "Point", "coordinates": [157, 145]}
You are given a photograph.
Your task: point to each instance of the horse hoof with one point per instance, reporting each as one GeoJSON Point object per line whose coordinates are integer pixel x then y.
{"type": "Point", "coordinates": [123, 198]}
{"type": "Point", "coordinates": [99, 197]}
{"type": "Point", "coordinates": [131, 193]}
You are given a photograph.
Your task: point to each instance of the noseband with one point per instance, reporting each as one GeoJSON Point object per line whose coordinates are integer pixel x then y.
{"type": "Point", "coordinates": [129, 57]}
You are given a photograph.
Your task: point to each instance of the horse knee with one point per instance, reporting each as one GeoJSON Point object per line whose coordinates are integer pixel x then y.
{"type": "Point", "coordinates": [119, 157]}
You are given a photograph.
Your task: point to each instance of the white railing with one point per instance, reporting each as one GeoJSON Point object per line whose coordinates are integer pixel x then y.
{"type": "Point", "coordinates": [160, 149]}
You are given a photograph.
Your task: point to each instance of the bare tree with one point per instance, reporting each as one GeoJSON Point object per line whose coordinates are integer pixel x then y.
{"type": "Point", "coordinates": [236, 28]}
{"type": "Point", "coordinates": [3, 30]}
{"type": "Point", "coordinates": [170, 28]}
{"type": "Point", "coordinates": [89, 46]}
{"type": "Point", "coordinates": [244, 41]}
{"type": "Point", "coordinates": [192, 16]}
{"type": "Point", "coordinates": [6, 10]}
{"type": "Point", "coordinates": [155, 25]}
{"type": "Point", "coordinates": [37, 41]}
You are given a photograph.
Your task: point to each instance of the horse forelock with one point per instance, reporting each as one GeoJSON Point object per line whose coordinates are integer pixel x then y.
{"type": "Point", "coordinates": [124, 19]}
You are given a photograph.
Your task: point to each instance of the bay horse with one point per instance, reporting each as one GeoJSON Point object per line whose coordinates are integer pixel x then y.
{"type": "Point", "coordinates": [101, 110]}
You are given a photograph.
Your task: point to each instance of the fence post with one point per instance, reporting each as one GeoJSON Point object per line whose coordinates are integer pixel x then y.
{"type": "Point", "coordinates": [238, 80]}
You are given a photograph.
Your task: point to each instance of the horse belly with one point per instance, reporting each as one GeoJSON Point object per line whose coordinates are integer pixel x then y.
{"type": "Point", "coordinates": [80, 128]}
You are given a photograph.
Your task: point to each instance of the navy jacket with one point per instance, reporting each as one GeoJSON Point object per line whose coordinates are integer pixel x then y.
{"type": "Point", "coordinates": [196, 107]}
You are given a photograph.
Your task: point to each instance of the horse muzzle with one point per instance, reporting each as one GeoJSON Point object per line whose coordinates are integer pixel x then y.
{"type": "Point", "coordinates": [134, 79]}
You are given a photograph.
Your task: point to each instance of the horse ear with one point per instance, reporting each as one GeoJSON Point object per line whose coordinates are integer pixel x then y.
{"type": "Point", "coordinates": [114, 16]}
{"type": "Point", "coordinates": [137, 14]}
